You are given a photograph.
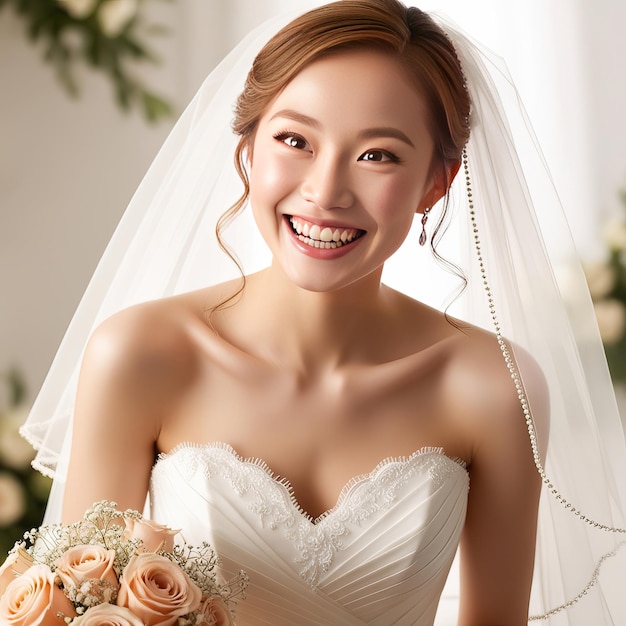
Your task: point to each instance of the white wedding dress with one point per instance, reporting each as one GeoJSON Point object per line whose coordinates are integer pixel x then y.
{"type": "Point", "coordinates": [380, 556]}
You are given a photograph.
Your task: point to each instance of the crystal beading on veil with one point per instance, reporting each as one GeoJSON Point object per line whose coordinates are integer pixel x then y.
{"type": "Point", "coordinates": [524, 283]}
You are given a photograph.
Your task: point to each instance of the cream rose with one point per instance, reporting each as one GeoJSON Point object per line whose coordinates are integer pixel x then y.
{"type": "Point", "coordinates": [611, 317]}
{"type": "Point", "coordinates": [157, 590]}
{"type": "Point", "coordinates": [78, 8]}
{"type": "Point", "coordinates": [82, 564]}
{"type": "Point", "coordinates": [12, 499]}
{"type": "Point", "coordinates": [615, 234]}
{"type": "Point", "coordinates": [600, 278]}
{"type": "Point", "coordinates": [114, 15]}
{"type": "Point", "coordinates": [108, 615]}
{"type": "Point", "coordinates": [15, 451]}
{"type": "Point", "coordinates": [18, 562]}
{"type": "Point", "coordinates": [33, 599]}
{"type": "Point", "coordinates": [214, 612]}
{"type": "Point", "coordinates": [154, 537]}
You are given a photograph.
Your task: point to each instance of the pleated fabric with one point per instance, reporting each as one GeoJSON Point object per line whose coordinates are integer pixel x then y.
{"type": "Point", "coordinates": [381, 556]}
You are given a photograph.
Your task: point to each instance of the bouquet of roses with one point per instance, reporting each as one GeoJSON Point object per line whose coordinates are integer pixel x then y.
{"type": "Point", "coordinates": [113, 568]}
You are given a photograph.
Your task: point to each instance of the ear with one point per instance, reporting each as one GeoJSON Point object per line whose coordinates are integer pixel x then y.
{"type": "Point", "coordinates": [441, 180]}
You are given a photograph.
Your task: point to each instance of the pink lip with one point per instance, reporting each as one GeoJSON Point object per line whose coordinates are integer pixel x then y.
{"type": "Point", "coordinates": [319, 253]}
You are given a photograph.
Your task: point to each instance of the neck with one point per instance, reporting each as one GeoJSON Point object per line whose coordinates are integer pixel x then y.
{"type": "Point", "coordinates": [308, 330]}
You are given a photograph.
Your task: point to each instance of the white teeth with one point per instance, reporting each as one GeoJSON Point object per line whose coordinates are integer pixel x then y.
{"type": "Point", "coordinates": [315, 231]}
{"type": "Point", "coordinates": [328, 245]}
{"type": "Point", "coordinates": [324, 238]}
{"type": "Point", "coordinates": [326, 235]}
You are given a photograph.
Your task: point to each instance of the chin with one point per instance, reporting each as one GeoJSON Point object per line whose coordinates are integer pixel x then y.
{"type": "Point", "coordinates": [327, 281]}
{"type": "Point", "coordinates": [316, 284]}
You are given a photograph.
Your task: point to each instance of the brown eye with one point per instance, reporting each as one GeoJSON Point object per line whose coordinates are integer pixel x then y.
{"type": "Point", "coordinates": [293, 140]}
{"type": "Point", "coordinates": [378, 156]}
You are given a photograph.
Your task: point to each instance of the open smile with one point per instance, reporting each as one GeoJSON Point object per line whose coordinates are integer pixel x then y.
{"type": "Point", "coordinates": [323, 237]}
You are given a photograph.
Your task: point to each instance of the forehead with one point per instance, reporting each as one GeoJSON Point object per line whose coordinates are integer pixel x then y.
{"type": "Point", "coordinates": [355, 88]}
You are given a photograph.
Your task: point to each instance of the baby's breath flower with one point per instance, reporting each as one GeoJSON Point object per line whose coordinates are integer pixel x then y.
{"type": "Point", "coordinates": [103, 526]}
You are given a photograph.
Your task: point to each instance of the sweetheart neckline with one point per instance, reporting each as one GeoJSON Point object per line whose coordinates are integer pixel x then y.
{"type": "Point", "coordinates": [284, 482]}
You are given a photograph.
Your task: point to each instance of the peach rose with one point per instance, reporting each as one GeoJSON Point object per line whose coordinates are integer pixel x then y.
{"type": "Point", "coordinates": [153, 536]}
{"type": "Point", "coordinates": [214, 612]}
{"type": "Point", "coordinates": [157, 590]}
{"type": "Point", "coordinates": [107, 615]}
{"type": "Point", "coordinates": [15, 564]}
{"type": "Point", "coordinates": [86, 562]}
{"type": "Point", "coordinates": [33, 599]}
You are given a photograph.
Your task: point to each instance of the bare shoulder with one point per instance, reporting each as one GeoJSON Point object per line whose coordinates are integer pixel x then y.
{"type": "Point", "coordinates": [155, 344]}
{"type": "Point", "coordinates": [144, 346]}
{"type": "Point", "coordinates": [483, 382]}
{"type": "Point", "coordinates": [137, 367]}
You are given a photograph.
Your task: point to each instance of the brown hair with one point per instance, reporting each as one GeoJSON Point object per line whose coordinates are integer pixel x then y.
{"type": "Point", "coordinates": [407, 33]}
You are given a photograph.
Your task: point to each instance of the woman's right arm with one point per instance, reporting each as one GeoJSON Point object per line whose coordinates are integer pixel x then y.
{"type": "Point", "coordinates": [117, 417]}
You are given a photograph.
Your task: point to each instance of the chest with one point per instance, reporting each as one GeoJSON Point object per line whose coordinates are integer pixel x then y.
{"type": "Point", "coordinates": [318, 432]}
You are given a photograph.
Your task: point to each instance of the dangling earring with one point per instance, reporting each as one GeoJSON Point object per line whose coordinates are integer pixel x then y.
{"type": "Point", "coordinates": [423, 236]}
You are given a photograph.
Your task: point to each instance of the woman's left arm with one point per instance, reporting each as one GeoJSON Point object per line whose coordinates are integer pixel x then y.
{"type": "Point", "coordinates": [498, 540]}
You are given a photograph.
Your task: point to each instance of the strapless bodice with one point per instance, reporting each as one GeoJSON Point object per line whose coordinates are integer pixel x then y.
{"type": "Point", "coordinates": [380, 556]}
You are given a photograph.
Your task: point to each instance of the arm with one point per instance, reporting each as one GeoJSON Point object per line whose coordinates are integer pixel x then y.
{"type": "Point", "coordinates": [123, 394]}
{"type": "Point", "coordinates": [498, 541]}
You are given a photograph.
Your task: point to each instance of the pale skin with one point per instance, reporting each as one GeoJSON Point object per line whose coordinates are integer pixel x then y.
{"type": "Point", "coordinates": [318, 368]}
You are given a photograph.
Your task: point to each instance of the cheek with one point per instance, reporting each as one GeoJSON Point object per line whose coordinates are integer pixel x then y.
{"type": "Point", "coordinates": [396, 200]}
{"type": "Point", "coordinates": [270, 179]}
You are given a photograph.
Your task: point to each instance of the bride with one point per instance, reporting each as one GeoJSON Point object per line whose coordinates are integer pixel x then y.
{"type": "Point", "coordinates": [324, 430]}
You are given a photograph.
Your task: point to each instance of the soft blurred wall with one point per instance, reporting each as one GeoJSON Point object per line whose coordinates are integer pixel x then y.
{"type": "Point", "coordinates": [604, 25]}
{"type": "Point", "coordinates": [68, 168]}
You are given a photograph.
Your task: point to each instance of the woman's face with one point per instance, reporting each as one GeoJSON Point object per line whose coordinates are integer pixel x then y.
{"type": "Point", "coordinates": [341, 162]}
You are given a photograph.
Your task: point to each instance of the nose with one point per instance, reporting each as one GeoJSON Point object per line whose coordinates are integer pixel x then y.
{"type": "Point", "coordinates": [327, 184]}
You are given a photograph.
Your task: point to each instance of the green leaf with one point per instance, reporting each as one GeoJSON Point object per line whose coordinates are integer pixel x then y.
{"type": "Point", "coordinates": [17, 387]}
{"type": "Point", "coordinates": [47, 21]}
{"type": "Point", "coordinates": [155, 108]}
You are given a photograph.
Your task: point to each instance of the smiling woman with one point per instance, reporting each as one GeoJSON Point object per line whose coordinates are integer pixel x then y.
{"type": "Point", "coordinates": [376, 409]}
{"type": "Point", "coordinates": [345, 146]}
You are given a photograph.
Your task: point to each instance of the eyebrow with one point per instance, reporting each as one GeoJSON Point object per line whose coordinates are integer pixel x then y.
{"type": "Point", "coordinates": [367, 133]}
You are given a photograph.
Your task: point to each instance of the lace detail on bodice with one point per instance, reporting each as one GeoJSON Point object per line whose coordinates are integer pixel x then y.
{"type": "Point", "coordinates": [273, 501]}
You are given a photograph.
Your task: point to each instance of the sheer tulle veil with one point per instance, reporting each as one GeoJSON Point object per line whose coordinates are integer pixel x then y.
{"type": "Point", "coordinates": [524, 283]}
